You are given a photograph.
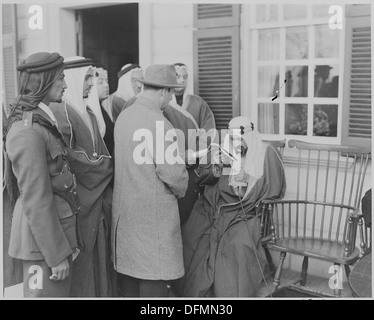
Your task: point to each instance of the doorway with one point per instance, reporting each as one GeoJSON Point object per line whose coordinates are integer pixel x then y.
{"type": "Point", "coordinates": [109, 35]}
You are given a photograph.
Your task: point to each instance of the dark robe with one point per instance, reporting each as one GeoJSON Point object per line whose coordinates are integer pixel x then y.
{"type": "Point", "coordinates": [194, 114]}
{"type": "Point", "coordinates": [117, 105]}
{"type": "Point", "coordinates": [90, 161]}
{"type": "Point", "coordinates": [200, 110]}
{"type": "Point", "coordinates": [109, 132]}
{"type": "Point", "coordinates": [221, 244]}
{"type": "Point", "coordinates": [181, 120]}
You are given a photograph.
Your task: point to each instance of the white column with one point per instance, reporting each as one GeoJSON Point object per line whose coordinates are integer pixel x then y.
{"type": "Point", "coordinates": [146, 50]}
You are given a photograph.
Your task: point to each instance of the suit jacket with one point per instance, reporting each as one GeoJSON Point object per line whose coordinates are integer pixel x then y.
{"type": "Point", "coordinates": [43, 224]}
{"type": "Point", "coordinates": [146, 235]}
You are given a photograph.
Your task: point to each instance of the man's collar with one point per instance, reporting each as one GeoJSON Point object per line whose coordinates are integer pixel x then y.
{"type": "Point", "coordinates": [48, 111]}
{"type": "Point", "coordinates": [148, 103]}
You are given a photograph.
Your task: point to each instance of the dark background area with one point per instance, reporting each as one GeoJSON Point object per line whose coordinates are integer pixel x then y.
{"type": "Point", "coordinates": [110, 37]}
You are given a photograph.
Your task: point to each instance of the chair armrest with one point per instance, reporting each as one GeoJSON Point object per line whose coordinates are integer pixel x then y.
{"type": "Point", "coordinates": [356, 214]}
{"type": "Point", "coordinates": [270, 201]}
{"type": "Point", "coordinates": [267, 223]}
{"type": "Point", "coordinates": [356, 221]}
{"type": "Point", "coordinates": [266, 239]}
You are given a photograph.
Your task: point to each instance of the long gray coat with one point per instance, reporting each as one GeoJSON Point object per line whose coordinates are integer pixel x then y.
{"type": "Point", "coordinates": [146, 235]}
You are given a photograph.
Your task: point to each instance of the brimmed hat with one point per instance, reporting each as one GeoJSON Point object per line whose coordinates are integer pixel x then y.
{"type": "Point", "coordinates": [161, 75]}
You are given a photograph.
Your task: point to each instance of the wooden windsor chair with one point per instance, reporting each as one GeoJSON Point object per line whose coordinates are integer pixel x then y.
{"type": "Point", "coordinates": [321, 220]}
{"type": "Point", "coordinates": [279, 145]}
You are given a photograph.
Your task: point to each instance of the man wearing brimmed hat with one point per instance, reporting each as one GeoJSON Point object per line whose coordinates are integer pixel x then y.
{"type": "Point", "coordinates": [146, 239]}
{"type": "Point", "coordinates": [93, 167]}
{"type": "Point", "coordinates": [39, 180]}
{"type": "Point", "coordinates": [191, 115]}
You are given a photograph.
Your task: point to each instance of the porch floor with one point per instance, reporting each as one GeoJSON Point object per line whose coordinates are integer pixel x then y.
{"type": "Point", "coordinates": [314, 287]}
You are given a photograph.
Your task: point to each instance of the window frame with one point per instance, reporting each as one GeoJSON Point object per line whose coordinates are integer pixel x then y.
{"type": "Point", "coordinates": [249, 55]}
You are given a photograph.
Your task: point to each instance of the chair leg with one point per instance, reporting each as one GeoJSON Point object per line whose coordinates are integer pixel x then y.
{"type": "Point", "coordinates": [269, 259]}
{"type": "Point", "coordinates": [337, 292]}
{"type": "Point", "coordinates": [304, 271]}
{"type": "Point", "coordinates": [278, 273]}
{"type": "Point", "coordinates": [347, 270]}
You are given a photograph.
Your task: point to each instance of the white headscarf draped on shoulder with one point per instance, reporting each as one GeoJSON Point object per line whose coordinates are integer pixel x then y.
{"type": "Point", "coordinates": [74, 77]}
{"type": "Point", "coordinates": [93, 100]}
{"type": "Point", "coordinates": [254, 158]}
{"type": "Point", "coordinates": [128, 86]}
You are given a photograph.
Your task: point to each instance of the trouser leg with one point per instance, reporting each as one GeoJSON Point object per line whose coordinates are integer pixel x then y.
{"type": "Point", "coordinates": [129, 286]}
{"type": "Point", "coordinates": [134, 287]}
{"type": "Point", "coordinates": [154, 288]}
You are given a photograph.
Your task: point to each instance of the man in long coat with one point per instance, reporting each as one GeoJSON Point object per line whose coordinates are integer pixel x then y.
{"type": "Point", "coordinates": [39, 181]}
{"type": "Point", "coordinates": [191, 115]}
{"type": "Point", "coordinates": [150, 175]}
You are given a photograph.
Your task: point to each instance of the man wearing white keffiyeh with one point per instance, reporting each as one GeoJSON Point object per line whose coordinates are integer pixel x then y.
{"type": "Point", "coordinates": [222, 254]}
{"type": "Point", "coordinates": [93, 167]}
{"type": "Point", "coordinates": [129, 86]}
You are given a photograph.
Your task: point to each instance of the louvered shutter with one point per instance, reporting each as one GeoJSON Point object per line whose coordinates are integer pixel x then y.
{"type": "Point", "coordinates": [216, 15]}
{"type": "Point", "coordinates": [216, 59]}
{"type": "Point", "coordinates": [357, 106]}
{"type": "Point", "coordinates": [9, 52]}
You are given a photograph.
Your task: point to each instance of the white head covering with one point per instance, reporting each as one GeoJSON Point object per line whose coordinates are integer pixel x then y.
{"type": "Point", "coordinates": [94, 103]}
{"type": "Point", "coordinates": [125, 89]}
{"type": "Point", "coordinates": [255, 155]}
{"type": "Point", "coordinates": [185, 93]}
{"type": "Point", "coordinates": [73, 95]}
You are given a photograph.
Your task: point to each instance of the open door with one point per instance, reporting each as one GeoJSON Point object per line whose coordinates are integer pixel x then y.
{"type": "Point", "coordinates": [109, 35]}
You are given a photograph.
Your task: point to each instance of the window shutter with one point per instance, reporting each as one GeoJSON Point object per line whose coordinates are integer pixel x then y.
{"type": "Point", "coordinates": [9, 53]}
{"type": "Point", "coordinates": [216, 59]}
{"type": "Point", "coordinates": [216, 15]}
{"type": "Point", "coordinates": [357, 111]}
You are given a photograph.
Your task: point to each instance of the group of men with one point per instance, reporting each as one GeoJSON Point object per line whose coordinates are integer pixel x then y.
{"type": "Point", "coordinates": [76, 218]}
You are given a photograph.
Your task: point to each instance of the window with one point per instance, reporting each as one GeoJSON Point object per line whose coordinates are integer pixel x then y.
{"type": "Point", "coordinates": [296, 64]}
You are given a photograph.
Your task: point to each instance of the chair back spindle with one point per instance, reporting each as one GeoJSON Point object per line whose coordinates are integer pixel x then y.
{"type": "Point", "coordinates": [329, 182]}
